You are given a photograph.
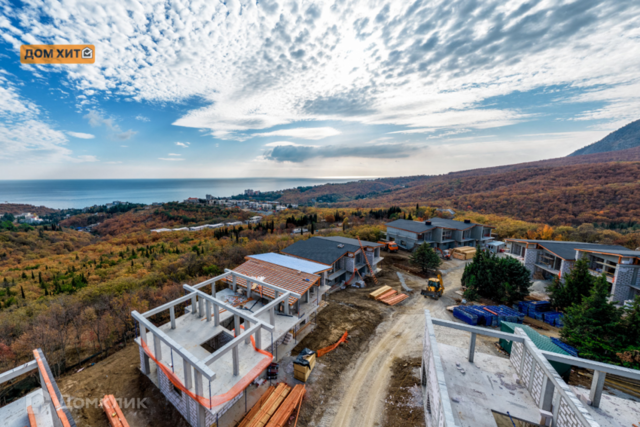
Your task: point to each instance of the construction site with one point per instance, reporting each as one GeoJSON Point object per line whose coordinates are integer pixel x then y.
{"type": "Point", "coordinates": [270, 344]}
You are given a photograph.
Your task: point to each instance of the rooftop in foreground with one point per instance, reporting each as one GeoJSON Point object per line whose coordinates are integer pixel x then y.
{"type": "Point", "coordinates": [465, 388]}
{"type": "Point", "coordinates": [44, 406]}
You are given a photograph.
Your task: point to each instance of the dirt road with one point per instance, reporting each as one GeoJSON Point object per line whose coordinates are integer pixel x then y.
{"type": "Point", "coordinates": [361, 400]}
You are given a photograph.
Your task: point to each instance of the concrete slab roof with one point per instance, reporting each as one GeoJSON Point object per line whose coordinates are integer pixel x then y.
{"type": "Point", "coordinates": [352, 242]}
{"type": "Point", "coordinates": [408, 225]}
{"type": "Point", "coordinates": [291, 262]}
{"type": "Point", "coordinates": [567, 250]}
{"type": "Point", "coordinates": [283, 277]}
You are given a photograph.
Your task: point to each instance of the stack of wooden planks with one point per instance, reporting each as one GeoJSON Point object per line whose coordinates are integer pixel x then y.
{"type": "Point", "coordinates": [293, 400]}
{"type": "Point", "coordinates": [114, 414]}
{"type": "Point", "coordinates": [259, 404]}
{"type": "Point", "coordinates": [388, 295]}
{"type": "Point", "coordinates": [394, 299]}
{"type": "Point", "coordinates": [269, 407]}
{"type": "Point", "coordinates": [378, 292]}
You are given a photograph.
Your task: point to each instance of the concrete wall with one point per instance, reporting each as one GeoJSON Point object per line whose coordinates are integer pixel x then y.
{"type": "Point", "coordinates": [530, 259]}
{"type": "Point", "coordinates": [437, 406]}
{"type": "Point", "coordinates": [410, 239]}
{"type": "Point", "coordinates": [546, 387]}
{"type": "Point", "coordinates": [565, 268]}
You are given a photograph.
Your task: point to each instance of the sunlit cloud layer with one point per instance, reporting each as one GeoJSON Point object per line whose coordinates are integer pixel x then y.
{"type": "Point", "coordinates": [284, 69]}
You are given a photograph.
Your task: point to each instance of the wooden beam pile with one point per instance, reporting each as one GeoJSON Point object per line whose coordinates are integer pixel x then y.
{"type": "Point", "coordinates": [378, 292]}
{"type": "Point", "coordinates": [114, 414]}
{"type": "Point", "coordinates": [256, 408]}
{"type": "Point", "coordinates": [270, 406]}
{"type": "Point", "coordinates": [282, 416]}
{"type": "Point", "coordinates": [394, 299]}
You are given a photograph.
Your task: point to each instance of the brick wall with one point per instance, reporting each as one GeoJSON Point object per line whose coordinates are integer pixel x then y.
{"type": "Point", "coordinates": [622, 282]}
{"type": "Point", "coordinates": [530, 259]}
{"type": "Point", "coordinates": [565, 268]}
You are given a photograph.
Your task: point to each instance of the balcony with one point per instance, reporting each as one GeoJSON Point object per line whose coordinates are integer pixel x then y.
{"type": "Point", "coordinates": [518, 257]}
{"type": "Point", "coordinates": [598, 272]}
{"type": "Point", "coordinates": [548, 268]}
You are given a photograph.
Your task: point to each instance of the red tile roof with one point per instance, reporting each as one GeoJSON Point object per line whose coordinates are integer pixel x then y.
{"type": "Point", "coordinates": [276, 275]}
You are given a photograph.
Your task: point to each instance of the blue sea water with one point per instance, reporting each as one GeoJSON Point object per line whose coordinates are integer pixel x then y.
{"type": "Point", "coordinates": [62, 194]}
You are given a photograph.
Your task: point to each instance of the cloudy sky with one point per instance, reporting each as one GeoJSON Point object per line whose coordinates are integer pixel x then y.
{"type": "Point", "coordinates": [206, 88]}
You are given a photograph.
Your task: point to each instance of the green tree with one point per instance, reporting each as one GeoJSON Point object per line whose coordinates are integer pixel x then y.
{"type": "Point", "coordinates": [22, 292]}
{"type": "Point", "coordinates": [425, 257]}
{"type": "Point", "coordinates": [576, 286]}
{"type": "Point", "coordinates": [594, 326]}
{"type": "Point", "coordinates": [503, 280]}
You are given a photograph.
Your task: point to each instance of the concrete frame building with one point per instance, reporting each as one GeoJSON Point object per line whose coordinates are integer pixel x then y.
{"type": "Point", "coordinates": [465, 388]}
{"type": "Point", "coordinates": [203, 360]}
{"type": "Point", "coordinates": [439, 233]}
{"type": "Point", "coordinates": [44, 407]}
{"type": "Point", "coordinates": [555, 259]}
{"type": "Point", "coordinates": [342, 255]}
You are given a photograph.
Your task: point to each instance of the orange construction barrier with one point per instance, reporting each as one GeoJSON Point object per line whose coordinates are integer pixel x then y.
{"type": "Point", "coordinates": [113, 411]}
{"type": "Point", "coordinates": [52, 392]}
{"type": "Point", "coordinates": [326, 350]}
{"type": "Point", "coordinates": [214, 401]}
{"type": "Point", "coordinates": [32, 417]}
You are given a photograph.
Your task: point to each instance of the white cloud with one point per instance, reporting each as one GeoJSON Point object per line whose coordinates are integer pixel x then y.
{"type": "Point", "coordinates": [171, 159]}
{"type": "Point", "coordinates": [142, 118]}
{"type": "Point", "coordinates": [174, 154]}
{"type": "Point", "coordinates": [303, 133]}
{"type": "Point", "coordinates": [81, 135]}
{"type": "Point", "coordinates": [282, 143]}
{"type": "Point", "coordinates": [419, 65]}
{"type": "Point", "coordinates": [183, 144]}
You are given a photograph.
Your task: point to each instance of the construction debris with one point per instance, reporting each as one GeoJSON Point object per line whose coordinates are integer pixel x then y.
{"type": "Point", "coordinates": [113, 411]}
{"type": "Point", "coordinates": [304, 364]}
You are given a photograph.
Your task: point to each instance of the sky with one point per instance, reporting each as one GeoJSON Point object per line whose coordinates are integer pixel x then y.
{"type": "Point", "coordinates": [335, 88]}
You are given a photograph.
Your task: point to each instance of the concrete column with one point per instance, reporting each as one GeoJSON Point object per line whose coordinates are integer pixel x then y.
{"type": "Point", "coordinates": [249, 284]}
{"type": "Point", "coordinates": [546, 398]}
{"type": "Point", "coordinates": [143, 333]}
{"type": "Point", "coordinates": [236, 361]}
{"type": "Point", "coordinates": [277, 295]}
{"type": "Point", "coordinates": [306, 296]}
{"type": "Point", "coordinates": [236, 323]}
{"type": "Point", "coordinates": [187, 374]}
{"type": "Point", "coordinates": [258, 338]}
{"type": "Point", "coordinates": [272, 316]}
{"type": "Point", "coordinates": [194, 310]}
{"type": "Point", "coordinates": [234, 283]}
{"type": "Point", "coordinates": [597, 384]}
{"type": "Point", "coordinates": [202, 415]}
{"type": "Point", "coordinates": [213, 289]}
{"type": "Point", "coordinates": [200, 307]}
{"type": "Point", "coordinates": [286, 306]}
{"type": "Point", "coordinates": [146, 366]}
{"type": "Point", "coordinates": [208, 306]}
{"type": "Point", "coordinates": [247, 325]}
{"type": "Point", "coordinates": [157, 348]}
{"type": "Point", "coordinates": [472, 346]}
{"type": "Point", "coordinates": [216, 315]}
{"type": "Point", "coordinates": [172, 312]}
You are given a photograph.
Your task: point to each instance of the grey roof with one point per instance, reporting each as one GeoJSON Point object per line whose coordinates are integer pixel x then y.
{"type": "Point", "coordinates": [622, 252]}
{"type": "Point", "coordinates": [567, 250]}
{"type": "Point", "coordinates": [320, 250]}
{"type": "Point", "coordinates": [353, 242]}
{"type": "Point", "coordinates": [421, 227]}
{"type": "Point", "coordinates": [413, 226]}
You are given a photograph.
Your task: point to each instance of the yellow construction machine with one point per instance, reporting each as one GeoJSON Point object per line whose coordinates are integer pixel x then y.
{"type": "Point", "coordinates": [435, 287]}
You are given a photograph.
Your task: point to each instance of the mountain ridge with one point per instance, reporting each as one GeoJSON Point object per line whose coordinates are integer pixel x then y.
{"type": "Point", "coordinates": [624, 138]}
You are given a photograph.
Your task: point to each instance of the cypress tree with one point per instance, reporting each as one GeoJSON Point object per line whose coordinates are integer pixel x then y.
{"type": "Point", "coordinates": [22, 292]}
{"type": "Point", "coordinates": [594, 325]}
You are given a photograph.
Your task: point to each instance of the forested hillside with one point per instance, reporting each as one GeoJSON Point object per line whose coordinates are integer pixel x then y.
{"type": "Point", "coordinates": [624, 138]}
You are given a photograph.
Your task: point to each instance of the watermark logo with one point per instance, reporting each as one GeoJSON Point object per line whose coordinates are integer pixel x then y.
{"type": "Point", "coordinates": [58, 54]}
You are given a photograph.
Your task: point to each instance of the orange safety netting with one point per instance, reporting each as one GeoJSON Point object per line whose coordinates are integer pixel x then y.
{"type": "Point", "coordinates": [214, 401]}
{"type": "Point", "coordinates": [326, 350]}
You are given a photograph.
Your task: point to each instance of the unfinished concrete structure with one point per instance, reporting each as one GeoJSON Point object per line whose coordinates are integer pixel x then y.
{"type": "Point", "coordinates": [342, 255]}
{"type": "Point", "coordinates": [464, 388]}
{"type": "Point", "coordinates": [203, 360]}
{"type": "Point", "coordinates": [555, 259]}
{"type": "Point", "coordinates": [44, 407]}
{"type": "Point", "coordinates": [439, 233]}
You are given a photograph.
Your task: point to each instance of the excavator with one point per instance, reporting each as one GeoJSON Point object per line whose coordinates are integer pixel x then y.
{"type": "Point", "coordinates": [444, 255]}
{"type": "Point", "coordinates": [435, 287]}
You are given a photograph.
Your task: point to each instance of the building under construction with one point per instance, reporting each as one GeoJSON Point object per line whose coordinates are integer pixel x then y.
{"type": "Point", "coordinates": [224, 333]}
{"type": "Point", "coordinates": [43, 407]}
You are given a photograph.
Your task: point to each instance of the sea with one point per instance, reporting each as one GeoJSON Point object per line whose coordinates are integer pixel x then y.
{"type": "Point", "coordinates": [63, 194]}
